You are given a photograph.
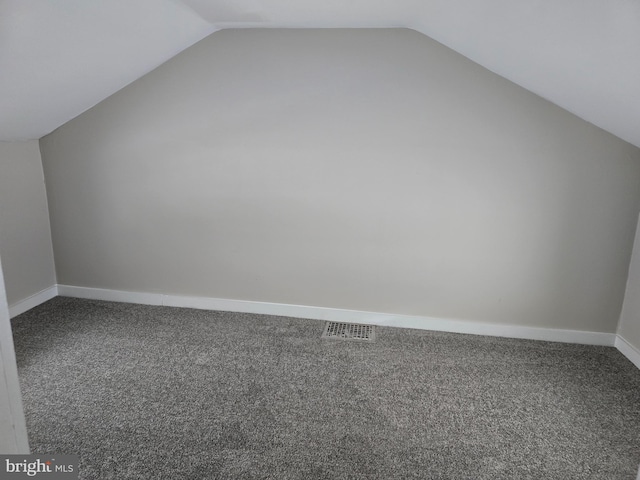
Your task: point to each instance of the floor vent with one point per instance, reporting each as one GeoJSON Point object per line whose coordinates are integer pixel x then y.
{"type": "Point", "coordinates": [349, 331]}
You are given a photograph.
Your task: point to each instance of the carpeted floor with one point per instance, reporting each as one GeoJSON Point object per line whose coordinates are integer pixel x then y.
{"type": "Point", "coordinates": [166, 393]}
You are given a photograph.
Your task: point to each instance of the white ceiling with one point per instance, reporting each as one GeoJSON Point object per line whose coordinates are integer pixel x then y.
{"type": "Point", "coordinates": [60, 57]}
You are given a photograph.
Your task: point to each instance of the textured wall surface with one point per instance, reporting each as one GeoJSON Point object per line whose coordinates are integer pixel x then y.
{"type": "Point", "coordinates": [363, 169]}
{"type": "Point", "coordinates": [25, 235]}
{"type": "Point", "coordinates": [629, 327]}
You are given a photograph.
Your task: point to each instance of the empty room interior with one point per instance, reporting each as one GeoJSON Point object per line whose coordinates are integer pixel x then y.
{"type": "Point", "coordinates": [308, 240]}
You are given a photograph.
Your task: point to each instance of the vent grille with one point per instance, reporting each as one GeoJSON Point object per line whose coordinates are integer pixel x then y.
{"type": "Point", "coordinates": [349, 331]}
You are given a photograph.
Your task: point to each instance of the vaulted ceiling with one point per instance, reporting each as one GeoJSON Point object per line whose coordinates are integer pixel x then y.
{"type": "Point", "coordinates": [59, 58]}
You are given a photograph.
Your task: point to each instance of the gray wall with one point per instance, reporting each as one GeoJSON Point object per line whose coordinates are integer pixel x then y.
{"type": "Point", "coordinates": [362, 169]}
{"type": "Point", "coordinates": [25, 235]}
{"type": "Point", "coordinates": [629, 327]}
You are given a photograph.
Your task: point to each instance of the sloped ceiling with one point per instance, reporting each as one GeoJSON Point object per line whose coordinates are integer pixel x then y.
{"type": "Point", "coordinates": [59, 58]}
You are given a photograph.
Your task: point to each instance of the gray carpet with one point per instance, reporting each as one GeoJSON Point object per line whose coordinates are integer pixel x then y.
{"type": "Point", "coordinates": [166, 393]}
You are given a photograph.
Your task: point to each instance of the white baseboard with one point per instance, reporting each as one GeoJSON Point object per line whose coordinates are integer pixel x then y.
{"type": "Point", "coordinates": [33, 301]}
{"type": "Point", "coordinates": [342, 315]}
{"type": "Point", "coordinates": [111, 295]}
{"type": "Point", "coordinates": [628, 350]}
{"type": "Point", "coordinates": [334, 314]}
